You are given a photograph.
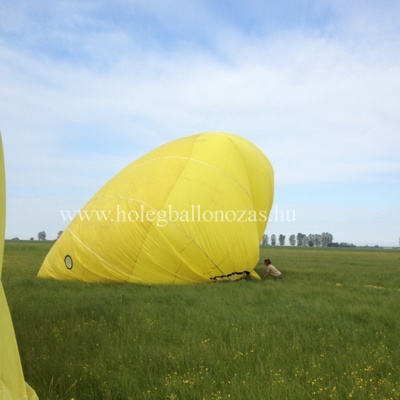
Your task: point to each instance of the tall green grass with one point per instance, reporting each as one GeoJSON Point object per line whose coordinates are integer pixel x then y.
{"type": "Point", "coordinates": [329, 330]}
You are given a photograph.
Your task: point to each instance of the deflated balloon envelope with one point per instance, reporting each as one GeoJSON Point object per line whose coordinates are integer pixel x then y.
{"type": "Point", "coordinates": [193, 210]}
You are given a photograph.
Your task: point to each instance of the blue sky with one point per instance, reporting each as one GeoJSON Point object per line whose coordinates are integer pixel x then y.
{"type": "Point", "coordinates": [89, 86]}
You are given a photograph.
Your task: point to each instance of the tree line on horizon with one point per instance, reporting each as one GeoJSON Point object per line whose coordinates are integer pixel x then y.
{"type": "Point", "coordinates": [324, 239]}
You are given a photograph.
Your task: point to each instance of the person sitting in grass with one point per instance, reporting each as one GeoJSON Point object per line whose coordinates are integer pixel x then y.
{"type": "Point", "coordinates": [271, 270]}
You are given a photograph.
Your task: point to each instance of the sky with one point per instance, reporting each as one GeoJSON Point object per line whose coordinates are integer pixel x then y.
{"type": "Point", "coordinates": [87, 87]}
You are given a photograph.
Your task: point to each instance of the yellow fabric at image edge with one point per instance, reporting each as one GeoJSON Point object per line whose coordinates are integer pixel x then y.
{"type": "Point", "coordinates": [12, 383]}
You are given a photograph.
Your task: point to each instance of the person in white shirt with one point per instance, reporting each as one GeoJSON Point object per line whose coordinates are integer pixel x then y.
{"type": "Point", "coordinates": [271, 270]}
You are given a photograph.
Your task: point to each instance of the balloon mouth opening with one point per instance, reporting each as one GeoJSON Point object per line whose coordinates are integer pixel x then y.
{"type": "Point", "coordinates": [234, 276]}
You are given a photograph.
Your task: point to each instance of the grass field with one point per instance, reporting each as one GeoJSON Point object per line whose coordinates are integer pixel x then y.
{"type": "Point", "coordinates": [329, 330]}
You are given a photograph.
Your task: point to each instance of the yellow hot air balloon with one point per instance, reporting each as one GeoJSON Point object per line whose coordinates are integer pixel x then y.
{"type": "Point", "coordinates": [193, 210]}
{"type": "Point", "coordinates": [12, 383]}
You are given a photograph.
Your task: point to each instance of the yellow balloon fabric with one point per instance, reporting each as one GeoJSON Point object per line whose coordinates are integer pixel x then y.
{"type": "Point", "coordinates": [12, 384]}
{"type": "Point", "coordinates": [193, 210]}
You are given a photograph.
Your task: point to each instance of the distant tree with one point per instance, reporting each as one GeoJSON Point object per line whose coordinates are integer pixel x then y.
{"type": "Point", "coordinates": [345, 244]}
{"type": "Point", "coordinates": [326, 239]}
{"type": "Point", "coordinates": [317, 240]}
{"type": "Point", "coordinates": [310, 240]}
{"type": "Point", "coordinates": [292, 240]}
{"type": "Point", "coordinates": [31, 238]}
{"type": "Point", "coordinates": [59, 234]}
{"type": "Point", "coordinates": [265, 240]}
{"type": "Point", "coordinates": [282, 240]}
{"type": "Point", "coordinates": [15, 238]}
{"type": "Point", "coordinates": [300, 239]}
{"type": "Point", "coordinates": [273, 239]}
{"type": "Point", "coordinates": [42, 235]}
